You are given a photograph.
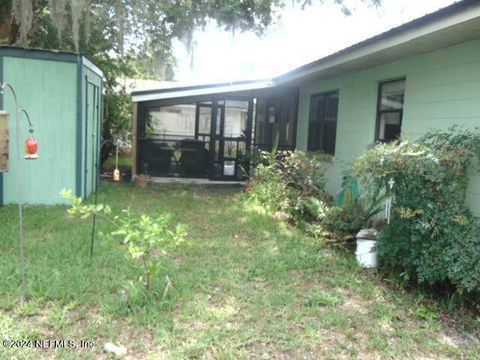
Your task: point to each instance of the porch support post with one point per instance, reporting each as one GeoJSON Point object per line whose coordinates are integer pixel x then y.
{"type": "Point", "coordinates": [197, 119]}
{"type": "Point", "coordinates": [134, 140]}
{"type": "Point", "coordinates": [213, 136]}
{"type": "Point", "coordinates": [249, 124]}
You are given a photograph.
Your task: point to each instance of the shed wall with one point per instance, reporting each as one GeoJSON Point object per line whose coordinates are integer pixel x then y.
{"type": "Point", "coordinates": [442, 89]}
{"type": "Point", "coordinates": [48, 91]}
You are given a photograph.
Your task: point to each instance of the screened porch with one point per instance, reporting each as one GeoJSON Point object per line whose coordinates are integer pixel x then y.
{"type": "Point", "coordinates": [212, 137]}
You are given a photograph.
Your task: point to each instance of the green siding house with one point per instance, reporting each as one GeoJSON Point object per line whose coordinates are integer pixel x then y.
{"type": "Point", "coordinates": [420, 76]}
{"type": "Point", "coordinates": [62, 93]}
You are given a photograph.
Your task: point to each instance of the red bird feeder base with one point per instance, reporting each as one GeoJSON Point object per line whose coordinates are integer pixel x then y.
{"type": "Point", "coordinates": [31, 148]}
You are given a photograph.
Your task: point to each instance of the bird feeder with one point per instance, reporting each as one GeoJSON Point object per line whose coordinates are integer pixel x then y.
{"type": "Point", "coordinates": [31, 148]}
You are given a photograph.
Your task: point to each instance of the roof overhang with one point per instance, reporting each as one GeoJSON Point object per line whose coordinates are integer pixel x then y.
{"type": "Point", "coordinates": [452, 25]}
{"type": "Point", "coordinates": [449, 26]}
{"type": "Point", "coordinates": [48, 54]}
{"type": "Point", "coordinates": [201, 90]}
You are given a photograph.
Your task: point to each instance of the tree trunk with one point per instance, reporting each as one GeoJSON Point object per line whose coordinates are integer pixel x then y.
{"type": "Point", "coordinates": [8, 30]}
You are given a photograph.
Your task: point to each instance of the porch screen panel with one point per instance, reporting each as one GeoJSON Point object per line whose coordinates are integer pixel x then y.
{"type": "Point", "coordinates": [235, 139]}
{"type": "Point", "coordinates": [322, 130]}
{"type": "Point", "coordinates": [177, 120]}
{"type": "Point", "coordinates": [276, 117]}
{"type": "Point", "coordinates": [165, 136]}
{"type": "Point", "coordinates": [260, 124]}
{"type": "Point", "coordinates": [204, 119]}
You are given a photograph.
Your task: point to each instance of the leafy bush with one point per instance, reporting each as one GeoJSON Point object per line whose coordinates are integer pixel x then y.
{"type": "Point", "coordinates": [267, 188]}
{"type": "Point", "coordinates": [344, 222]}
{"type": "Point", "coordinates": [304, 173]}
{"type": "Point", "coordinates": [292, 182]}
{"type": "Point", "coordinates": [352, 212]}
{"type": "Point", "coordinates": [432, 238]}
{"type": "Point", "coordinates": [310, 209]}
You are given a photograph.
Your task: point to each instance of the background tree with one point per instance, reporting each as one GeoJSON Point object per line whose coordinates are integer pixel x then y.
{"type": "Point", "coordinates": [130, 38]}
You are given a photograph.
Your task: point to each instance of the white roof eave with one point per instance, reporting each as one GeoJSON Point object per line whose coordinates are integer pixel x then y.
{"type": "Point", "coordinates": [382, 44]}
{"type": "Point", "coordinates": [164, 95]}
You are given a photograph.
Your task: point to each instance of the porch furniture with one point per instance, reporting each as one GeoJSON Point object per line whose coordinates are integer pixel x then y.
{"type": "Point", "coordinates": [158, 156]}
{"type": "Point", "coordinates": [194, 158]}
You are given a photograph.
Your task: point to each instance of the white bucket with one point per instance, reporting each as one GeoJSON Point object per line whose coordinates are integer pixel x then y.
{"type": "Point", "coordinates": [367, 253]}
{"type": "Point", "coordinates": [229, 168]}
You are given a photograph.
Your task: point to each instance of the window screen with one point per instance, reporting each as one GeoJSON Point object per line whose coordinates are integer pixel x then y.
{"type": "Point", "coordinates": [322, 130]}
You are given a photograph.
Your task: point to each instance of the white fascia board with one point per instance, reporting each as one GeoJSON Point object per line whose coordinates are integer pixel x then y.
{"type": "Point", "coordinates": [201, 91]}
{"type": "Point", "coordinates": [92, 66]}
{"type": "Point", "coordinates": [386, 43]}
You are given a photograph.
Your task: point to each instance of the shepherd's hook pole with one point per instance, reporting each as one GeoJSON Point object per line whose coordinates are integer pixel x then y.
{"type": "Point", "coordinates": [19, 111]}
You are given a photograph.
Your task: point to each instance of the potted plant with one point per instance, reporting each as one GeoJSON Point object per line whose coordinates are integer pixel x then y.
{"type": "Point", "coordinates": [142, 179]}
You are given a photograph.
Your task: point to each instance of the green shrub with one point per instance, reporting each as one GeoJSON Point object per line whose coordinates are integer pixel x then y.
{"type": "Point", "coordinates": [292, 182]}
{"type": "Point", "coordinates": [267, 188]}
{"type": "Point", "coordinates": [304, 173]}
{"type": "Point", "coordinates": [351, 213]}
{"type": "Point", "coordinates": [310, 209]}
{"type": "Point", "coordinates": [344, 222]}
{"type": "Point", "coordinates": [432, 238]}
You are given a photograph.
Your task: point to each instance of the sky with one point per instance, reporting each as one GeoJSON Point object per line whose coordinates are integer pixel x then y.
{"type": "Point", "coordinates": [301, 36]}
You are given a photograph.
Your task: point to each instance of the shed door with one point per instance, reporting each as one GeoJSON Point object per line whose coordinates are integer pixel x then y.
{"type": "Point", "coordinates": [92, 135]}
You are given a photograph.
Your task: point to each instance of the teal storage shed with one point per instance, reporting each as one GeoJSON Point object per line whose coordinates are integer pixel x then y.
{"type": "Point", "coordinates": [62, 92]}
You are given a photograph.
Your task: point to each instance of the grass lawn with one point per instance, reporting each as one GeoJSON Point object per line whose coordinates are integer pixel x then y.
{"type": "Point", "coordinates": [244, 286]}
{"type": "Point", "coordinates": [123, 160]}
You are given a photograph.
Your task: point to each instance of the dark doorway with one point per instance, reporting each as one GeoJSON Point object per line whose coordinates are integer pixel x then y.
{"type": "Point", "coordinates": [231, 137]}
